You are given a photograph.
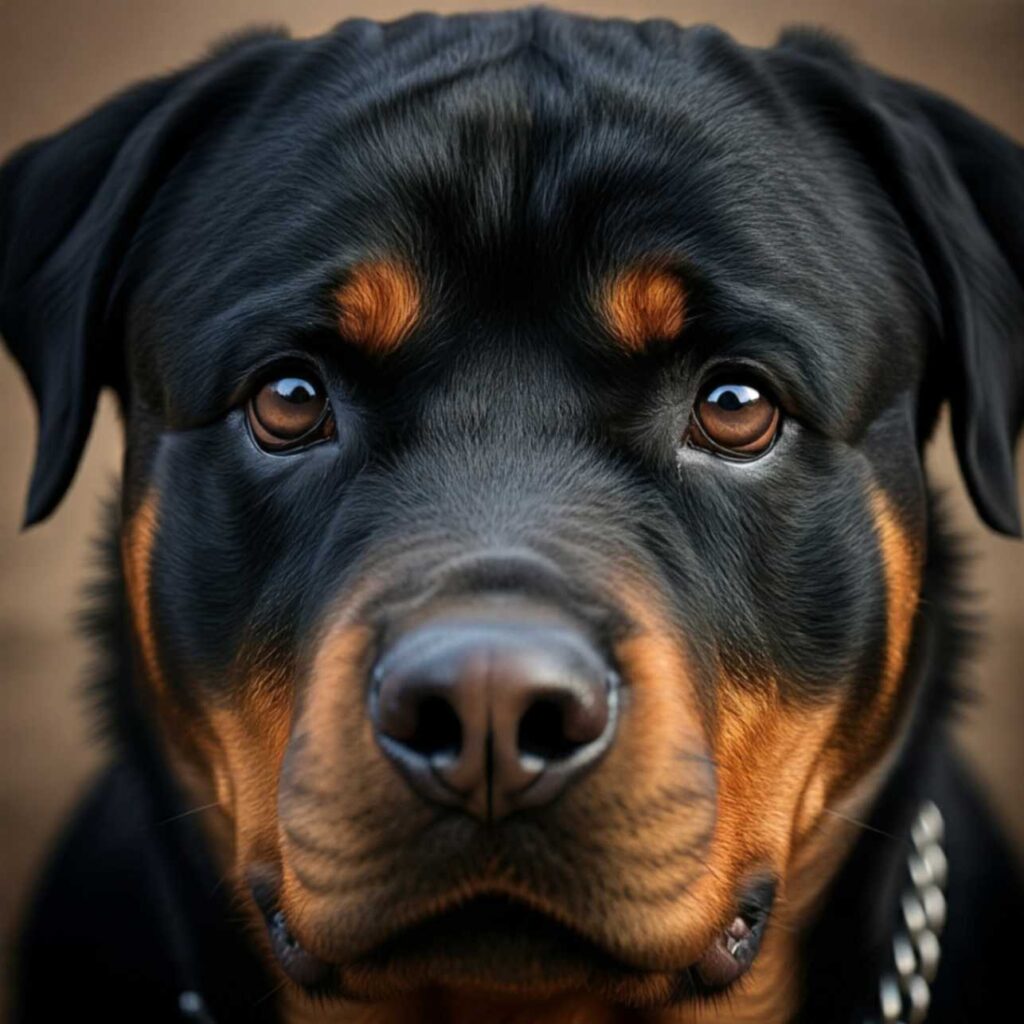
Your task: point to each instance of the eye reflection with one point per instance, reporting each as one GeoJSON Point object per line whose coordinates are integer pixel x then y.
{"type": "Point", "coordinates": [732, 397]}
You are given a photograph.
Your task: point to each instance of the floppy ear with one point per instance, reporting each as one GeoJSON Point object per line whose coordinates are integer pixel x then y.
{"type": "Point", "coordinates": [959, 186]}
{"type": "Point", "coordinates": [69, 205]}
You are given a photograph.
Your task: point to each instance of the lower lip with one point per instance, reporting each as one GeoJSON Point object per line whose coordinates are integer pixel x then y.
{"type": "Point", "coordinates": [301, 966]}
{"type": "Point", "coordinates": [726, 960]}
{"type": "Point", "coordinates": [734, 949]}
{"type": "Point", "coordinates": [731, 954]}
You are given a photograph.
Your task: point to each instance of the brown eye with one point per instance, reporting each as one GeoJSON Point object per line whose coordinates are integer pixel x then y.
{"type": "Point", "coordinates": [735, 419]}
{"type": "Point", "coordinates": [290, 412]}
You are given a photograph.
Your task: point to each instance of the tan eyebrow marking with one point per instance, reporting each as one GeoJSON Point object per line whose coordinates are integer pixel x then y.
{"type": "Point", "coordinates": [644, 304]}
{"type": "Point", "coordinates": [378, 305]}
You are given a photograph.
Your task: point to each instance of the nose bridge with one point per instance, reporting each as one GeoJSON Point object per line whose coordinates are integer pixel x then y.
{"type": "Point", "coordinates": [502, 431]}
{"type": "Point", "coordinates": [494, 688]}
{"type": "Point", "coordinates": [540, 497]}
{"type": "Point", "coordinates": [539, 573]}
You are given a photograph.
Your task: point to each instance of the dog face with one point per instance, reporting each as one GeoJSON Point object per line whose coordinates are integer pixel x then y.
{"type": "Point", "coordinates": [524, 520]}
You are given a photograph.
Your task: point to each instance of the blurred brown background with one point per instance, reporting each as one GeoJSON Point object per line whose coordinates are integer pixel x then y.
{"type": "Point", "coordinates": [59, 57]}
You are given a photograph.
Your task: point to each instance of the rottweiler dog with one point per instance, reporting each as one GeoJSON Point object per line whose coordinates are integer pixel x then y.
{"type": "Point", "coordinates": [526, 602]}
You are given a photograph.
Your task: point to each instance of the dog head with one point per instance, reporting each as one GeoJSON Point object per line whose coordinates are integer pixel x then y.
{"type": "Point", "coordinates": [523, 513]}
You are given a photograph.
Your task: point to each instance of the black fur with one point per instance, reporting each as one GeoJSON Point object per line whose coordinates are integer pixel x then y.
{"type": "Point", "coordinates": [854, 242]}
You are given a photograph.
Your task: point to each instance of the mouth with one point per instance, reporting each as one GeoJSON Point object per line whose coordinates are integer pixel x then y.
{"type": "Point", "coordinates": [496, 944]}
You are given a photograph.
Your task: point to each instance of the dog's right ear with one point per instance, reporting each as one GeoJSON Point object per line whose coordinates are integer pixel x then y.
{"type": "Point", "coordinates": [69, 206]}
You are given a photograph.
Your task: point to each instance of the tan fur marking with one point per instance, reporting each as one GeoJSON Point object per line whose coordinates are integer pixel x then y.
{"type": "Point", "coordinates": [869, 731]}
{"type": "Point", "coordinates": [902, 562]}
{"type": "Point", "coordinates": [186, 738]}
{"type": "Point", "coordinates": [227, 757]}
{"type": "Point", "coordinates": [251, 737]}
{"type": "Point", "coordinates": [645, 304]}
{"type": "Point", "coordinates": [137, 542]}
{"type": "Point", "coordinates": [378, 305]}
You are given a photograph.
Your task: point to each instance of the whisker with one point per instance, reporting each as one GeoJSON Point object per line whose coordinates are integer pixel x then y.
{"type": "Point", "coordinates": [774, 922]}
{"type": "Point", "coordinates": [273, 992]}
{"type": "Point", "coordinates": [862, 824]}
{"type": "Point", "coordinates": [706, 865]}
{"type": "Point", "coordinates": [188, 813]}
{"type": "Point", "coordinates": [220, 881]}
{"type": "Point", "coordinates": [689, 755]}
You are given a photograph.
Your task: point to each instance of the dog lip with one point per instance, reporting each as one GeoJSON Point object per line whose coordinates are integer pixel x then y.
{"type": "Point", "coordinates": [493, 939]}
{"type": "Point", "coordinates": [486, 935]}
{"type": "Point", "coordinates": [729, 956]}
{"type": "Point", "coordinates": [734, 949]}
{"type": "Point", "coordinates": [301, 966]}
{"type": "Point", "coordinates": [298, 963]}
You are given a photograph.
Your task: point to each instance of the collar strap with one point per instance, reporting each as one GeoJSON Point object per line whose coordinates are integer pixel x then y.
{"type": "Point", "coordinates": [904, 991]}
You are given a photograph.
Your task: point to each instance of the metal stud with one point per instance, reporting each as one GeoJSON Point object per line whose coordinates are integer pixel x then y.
{"type": "Point", "coordinates": [890, 998]}
{"type": "Point", "coordinates": [903, 955]}
{"type": "Point", "coordinates": [928, 952]}
{"type": "Point", "coordinates": [920, 870]}
{"type": "Point", "coordinates": [935, 857]}
{"type": "Point", "coordinates": [913, 913]}
{"type": "Point", "coordinates": [934, 908]}
{"type": "Point", "coordinates": [928, 827]}
{"type": "Point", "coordinates": [920, 997]}
{"type": "Point", "coordinates": [192, 1007]}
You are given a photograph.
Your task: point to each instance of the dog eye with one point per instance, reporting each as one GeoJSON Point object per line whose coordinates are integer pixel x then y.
{"type": "Point", "coordinates": [737, 420]}
{"type": "Point", "coordinates": [290, 412]}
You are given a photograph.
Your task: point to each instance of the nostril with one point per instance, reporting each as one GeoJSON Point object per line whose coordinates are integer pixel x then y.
{"type": "Point", "coordinates": [542, 732]}
{"type": "Point", "coordinates": [553, 729]}
{"type": "Point", "coordinates": [555, 726]}
{"type": "Point", "coordinates": [438, 731]}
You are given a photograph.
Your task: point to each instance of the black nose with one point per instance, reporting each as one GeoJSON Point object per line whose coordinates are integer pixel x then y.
{"type": "Point", "coordinates": [495, 710]}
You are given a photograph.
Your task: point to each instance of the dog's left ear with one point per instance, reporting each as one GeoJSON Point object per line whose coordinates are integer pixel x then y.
{"type": "Point", "coordinates": [69, 207]}
{"type": "Point", "coordinates": [958, 185]}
